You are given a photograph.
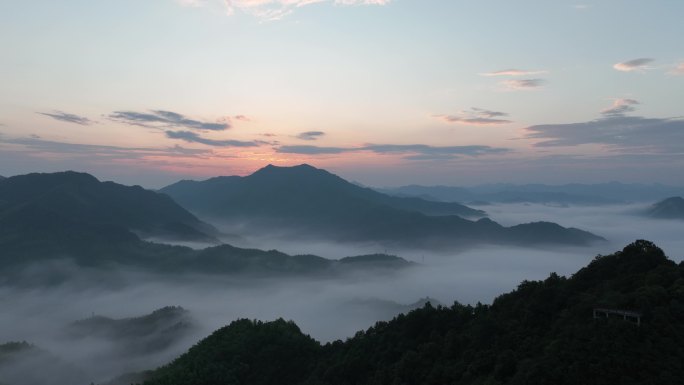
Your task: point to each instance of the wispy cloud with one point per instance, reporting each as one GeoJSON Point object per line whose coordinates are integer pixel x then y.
{"type": "Point", "coordinates": [314, 150]}
{"type": "Point", "coordinates": [422, 149]}
{"type": "Point", "coordinates": [512, 72]}
{"type": "Point", "coordinates": [620, 107]}
{"type": "Point", "coordinates": [165, 119]}
{"type": "Point", "coordinates": [310, 135]}
{"type": "Point", "coordinates": [193, 137]}
{"type": "Point", "coordinates": [270, 10]}
{"type": "Point", "coordinates": [243, 118]}
{"type": "Point", "coordinates": [476, 117]}
{"type": "Point", "coordinates": [69, 118]}
{"type": "Point", "coordinates": [640, 64]}
{"type": "Point", "coordinates": [76, 150]}
{"type": "Point", "coordinates": [523, 84]}
{"type": "Point", "coordinates": [518, 84]}
{"type": "Point", "coordinates": [410, 151]}
{"type": "Point", "coordinates": [618, 132]}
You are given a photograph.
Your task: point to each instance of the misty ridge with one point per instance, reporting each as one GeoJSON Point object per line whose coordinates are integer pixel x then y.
{"type": "Point", "coordinates": [105, 281]}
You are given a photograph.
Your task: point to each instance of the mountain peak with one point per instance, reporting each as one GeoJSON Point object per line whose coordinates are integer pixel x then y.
{"type": "Point", "coordinates": [79, 197]}
{"type": "Point", "coordinates": [670, 208]}
{"type": "Point", "coordinates": [302, 172]}
{"type": "Point", "coordinates": [273, 168]}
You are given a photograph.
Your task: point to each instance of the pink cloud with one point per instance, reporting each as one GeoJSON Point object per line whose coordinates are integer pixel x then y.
{"type": "Point", "coordinates": [640, 64]}
{"type": "Point", "coordinates": [512, 72]}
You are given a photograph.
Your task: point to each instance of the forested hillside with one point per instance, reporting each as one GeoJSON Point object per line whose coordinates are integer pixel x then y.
{"type": "Point", "coordinates": [543, 332]}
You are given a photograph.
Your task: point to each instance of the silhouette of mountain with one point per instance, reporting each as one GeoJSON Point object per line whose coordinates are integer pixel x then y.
{"type": "Point", "coordinates": [544, 332]}
{"type": "Point", "coordinates": [70, 215]}
{"type": "Point", "coordinates": [306, 202]}
{"type": "Point", "coordinates": [296, 191]}
{"type": "Point", "coordinates": [670, 208]}
{"type": "Point", "coordinates": [80, 199]}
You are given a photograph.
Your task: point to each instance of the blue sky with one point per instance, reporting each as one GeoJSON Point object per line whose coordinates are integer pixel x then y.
{"type": "Point", "coordinates": [385, 92]}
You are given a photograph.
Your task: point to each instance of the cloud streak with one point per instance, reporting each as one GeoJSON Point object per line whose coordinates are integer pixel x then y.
{"type": "Point", "coordinates": [310, 135]}
{"type": "Point", "coordinates": [620, 107]}
{"type": "Point", "coordinates": [518, 84]}
{"type": "Point", "coordinates": [38, 144]}
{"type": "Point", "coordinates": [523, 84]}
{"type": "Point", "coordinates": [69, 118]}
{"type": "Point", "coordinates": [476, 117]}
{"type": "Point", "coordinates": [640, 64]}
{"type": "Point", "coordinates": [410, 151]}
{"type": "Point", "coordinates": [616, 131]}
{"type": "Point", "coordinates": [192, 137]}
{"type": "Point", "coordinates": [512, 72]}
{"type": "Point", "coordinates": [165, 119]}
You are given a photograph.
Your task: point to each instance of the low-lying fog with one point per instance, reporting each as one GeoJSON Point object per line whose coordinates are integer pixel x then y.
{"type": "Point", "coordinates": [325, 309]}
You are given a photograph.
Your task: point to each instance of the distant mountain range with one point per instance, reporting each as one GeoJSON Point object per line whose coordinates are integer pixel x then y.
{"type": "Point", "coordinates": [570, 194]}
{"type": "Point", "coordinates": [670, 208]}
{"type": "Point", "coordinates": [304, 202]}
{"type": "Point", "coordinates": [73, 216]}
{"type": "Point", "coordinates": [544, 332]}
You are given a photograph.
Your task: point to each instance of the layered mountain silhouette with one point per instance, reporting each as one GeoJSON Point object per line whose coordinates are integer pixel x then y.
{"type": "Point", "coordinates": [306, 202]}
{"type": "Point", "coordinates": [670, 208]}
{"type": "Point", "coordinates": [76, 199]}
{"type": "Point", "coordinates": [301, 191]}
{"type": "Point", "coordinates": [544, 332]}
{"type": "Point", "coordinates": [72, 216]}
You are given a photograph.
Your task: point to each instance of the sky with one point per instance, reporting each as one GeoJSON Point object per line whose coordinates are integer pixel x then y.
{"type": "Point", "coordinates": [383, 92]}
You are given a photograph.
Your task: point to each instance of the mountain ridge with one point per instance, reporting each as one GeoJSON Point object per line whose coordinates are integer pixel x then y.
{"type": "Point", "coordinates": [80, 197]}
{"type": "Point", "coordinates": [273, 177]}
{"type": "Point", "coordinates": [306, 202]}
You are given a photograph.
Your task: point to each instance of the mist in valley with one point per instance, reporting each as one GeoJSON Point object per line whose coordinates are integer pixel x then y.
{"type": "Point", "coordinates": [327, 308]}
